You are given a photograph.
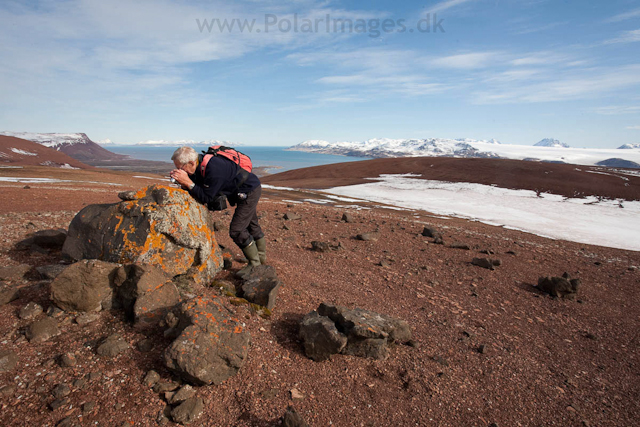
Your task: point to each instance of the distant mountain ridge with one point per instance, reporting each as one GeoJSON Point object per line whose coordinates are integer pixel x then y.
{"type": "Point", "coordinates": [550, 142]}
{"type": "Point", "coordinates": [22, 152]}
{"type": "Point", "coordinates": [385, 147]}
{"type": "Point", "coordinates": [76, 145]}
{"type": "Point", "coordinates": [629, 146]}
{"type": "Point", "coordinates": [471, 148]}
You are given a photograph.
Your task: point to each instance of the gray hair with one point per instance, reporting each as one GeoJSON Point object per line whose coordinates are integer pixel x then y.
{"type": "Point", "coordinates": [185, 155]}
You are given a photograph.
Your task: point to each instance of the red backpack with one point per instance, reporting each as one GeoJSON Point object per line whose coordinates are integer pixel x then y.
{"type": "Point", "coordinates": [235, 156]}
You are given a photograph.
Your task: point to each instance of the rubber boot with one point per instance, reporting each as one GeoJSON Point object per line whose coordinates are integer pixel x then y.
{"type": "Point", "coordinates": [261, 244]}
{"type": "Point", "coordinates": [251, 253]}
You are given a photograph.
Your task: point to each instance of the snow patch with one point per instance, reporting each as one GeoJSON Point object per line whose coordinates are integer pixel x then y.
{"type": "Point", "coordinates": [586, 220]}
{"type": "Point", "coordinates": [23, 152]}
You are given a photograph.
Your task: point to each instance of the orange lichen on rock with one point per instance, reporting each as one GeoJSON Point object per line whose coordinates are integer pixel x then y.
{"type": "Point", "coordinates": [163, 226]}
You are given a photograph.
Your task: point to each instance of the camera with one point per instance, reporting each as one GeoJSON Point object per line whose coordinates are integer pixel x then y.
{"type": "Point", "coordinates": [173, 180]}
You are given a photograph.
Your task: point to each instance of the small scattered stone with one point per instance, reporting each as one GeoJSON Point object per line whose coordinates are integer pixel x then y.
{"type": "Point", "coordinates": [118, 406]}
{"type": "Point", "coordinates": [61, 390]}
{"type": "Point", "coordinates": [413, 343]}
{"type": "Point", "coordinates": [429, 232]}
{"type": "Point", "coordinates": [68, 360]}
{"type": "Point", "coordinates": [41, 330]}
{"type": "Point", "coordinates": [320, 246]}
{"type": "Point", "coordinates": [30, 311]}
{"type": "Point", "coordinates": [54, 311]}
{"type": "Point", "coordinates": [368, 237]}
{"type": "Point", "coordinates": [487, 263]}
{"type": "Point", "coordinates": [87, 408]}
{"type": "Point", "coordinates": [8, 293]}
{"type": "Point", "coordinates": [112, 346]}
{"type": "Point", "coordinates": [65, 422]}
{"type": "Point", "coordinates": [85, 319]}
{"type": "Point", "coordinates": [8, 360]}
{"type": "Point", "coordinates": [347, 217]}
{"type": "Point", "coordinates": [161, 387]}
{"type": "Point", "coordinates": [384, 264]}
{"type": "Point", "coordinates": [151, 378]}
{"type": "Point", "coordinates": [80, 383]}
{"type": "Point", "coordinates": [290, 216]}
{"type": "Point", "coordinates": [185, 392]}
{"type": "Point", "coordinates": [7, 390]}
{"type": "Point", "coordinates": [145, 345]}
{"type": "Point", "coordinates": [483, 349]}
{"type": "Point", "coordinates": [296, 394]}
{"type": "Point", "coordinates": [58, 403]}
{"type": "Point", "coordinates": [188, 411]}
{"type": "Point", "coordinates": [94, 376]}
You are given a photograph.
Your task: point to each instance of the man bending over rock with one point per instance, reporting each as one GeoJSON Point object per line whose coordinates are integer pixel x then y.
{"type": "Point", "coordinates": [224, 177]}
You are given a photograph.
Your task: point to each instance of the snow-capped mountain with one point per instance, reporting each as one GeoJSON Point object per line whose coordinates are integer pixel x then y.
{"type": "Point", "coordinates": [550, 142]}
{"type": "Point", "coordinates": [385, 147]}
{"type": "Point", "coordinates": [76, 145]}
{"type": "Point", "coordinates": [629, 146]}
{"type": "Point", "coordinates": [433, 147]}
{"type": "Point", "coordinates": [51, 140]}
{"type": "Point", "coordinates": [190, 142]}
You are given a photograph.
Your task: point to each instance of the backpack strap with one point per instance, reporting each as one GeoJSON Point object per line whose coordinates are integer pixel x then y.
{"type": "Point", "coordinates": [204, 162]}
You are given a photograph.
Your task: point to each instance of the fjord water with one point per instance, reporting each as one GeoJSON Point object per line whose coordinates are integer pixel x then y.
{"type": "Point", "coordinates": [272, 157]}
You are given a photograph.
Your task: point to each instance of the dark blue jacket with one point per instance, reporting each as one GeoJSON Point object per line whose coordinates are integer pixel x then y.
{"type": "Point", "coordinates": [221, 177]}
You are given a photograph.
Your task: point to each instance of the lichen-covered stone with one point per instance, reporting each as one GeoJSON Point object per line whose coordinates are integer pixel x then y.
{"type": "Point", "coordinates": [161, 226]}
{"type": "Point", "coordinates": [212, 345]}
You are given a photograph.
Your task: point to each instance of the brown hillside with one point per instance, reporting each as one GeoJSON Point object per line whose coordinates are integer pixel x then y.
{"type": "Point", "coordinates": [563, 179]}
{"type": "Point", "coordinates": [20, 152]}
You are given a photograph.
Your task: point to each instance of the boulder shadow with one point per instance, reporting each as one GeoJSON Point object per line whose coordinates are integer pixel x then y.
{"type": "Point", "coordinates": [529, 287]}
{"type": "Point", "coordinates": [286, 330]}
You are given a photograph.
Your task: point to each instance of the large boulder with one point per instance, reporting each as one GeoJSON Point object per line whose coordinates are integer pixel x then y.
{"type": "Point", "coordinates": [357, 332]}
{"type": "Point", "coordinates": [212, 345]}
{"type": "Point", "coordinates": [157, 225]}
{"type": "Point", "coordinates": [85, 286]}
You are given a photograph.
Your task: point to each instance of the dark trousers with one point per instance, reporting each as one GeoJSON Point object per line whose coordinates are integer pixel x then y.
{"type": "Point", "coordinates": [244, 227]}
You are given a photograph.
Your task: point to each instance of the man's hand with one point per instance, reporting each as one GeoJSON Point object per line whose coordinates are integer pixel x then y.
{"type": "Point", "coordinates": [182, 178]}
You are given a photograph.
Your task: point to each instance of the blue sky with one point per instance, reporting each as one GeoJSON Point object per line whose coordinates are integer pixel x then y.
{"type": "Point", "coordinates": [514, 70]}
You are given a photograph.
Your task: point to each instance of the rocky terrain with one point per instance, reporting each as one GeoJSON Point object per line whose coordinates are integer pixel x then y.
{"type": "Point", "coordinates": [491, 342]}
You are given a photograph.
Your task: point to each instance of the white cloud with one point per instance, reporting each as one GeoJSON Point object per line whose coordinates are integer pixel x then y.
{"type": "Point", "coordinates": [466, 60]}
{"type": "Point", "coordinates": [444, 5]}
{"type": "Point", "coordinates": [565, 87]}
{"type": "Point", "coordinates": [635, 13]}
{"type": "Point", "coordinates": [626, 37]}
{"type": "Point", "coordinates": [633, 127]}
{"type": "Point", "coordinates": [615, 110]}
